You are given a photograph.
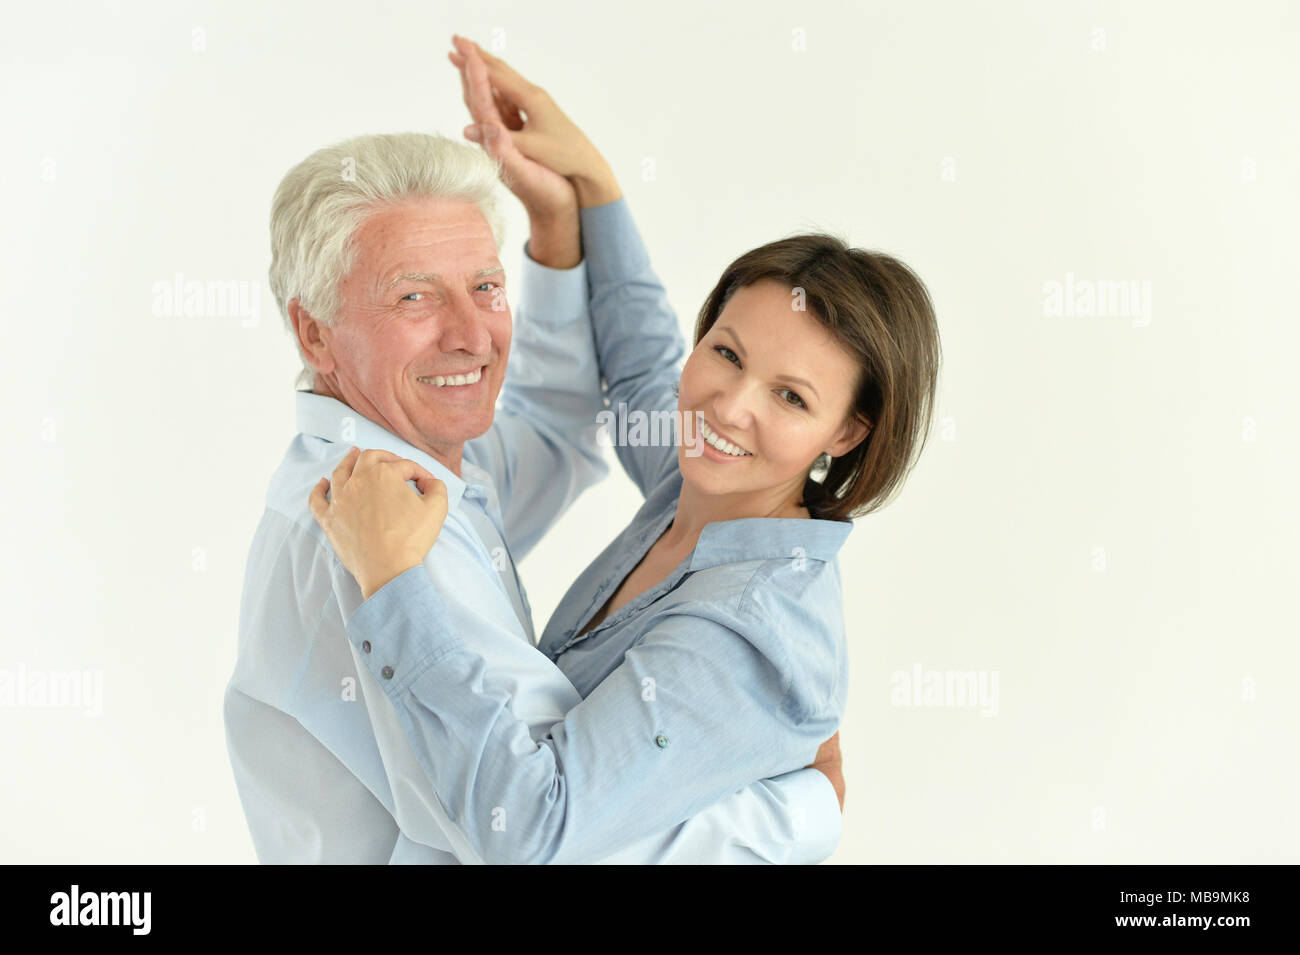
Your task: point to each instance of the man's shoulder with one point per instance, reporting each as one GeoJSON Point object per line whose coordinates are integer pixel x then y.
{"type": "Point", "coordinates": [305, 462]}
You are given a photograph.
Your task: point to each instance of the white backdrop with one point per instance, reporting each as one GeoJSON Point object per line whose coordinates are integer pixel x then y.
{"type": "Point", "coordinates": [1101, 529]}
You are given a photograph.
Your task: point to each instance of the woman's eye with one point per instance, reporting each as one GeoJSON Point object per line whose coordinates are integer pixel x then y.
{"type": "Point", "coordinates": [726, 353]}
{"type": "Point", "coordinates": [797, 402]}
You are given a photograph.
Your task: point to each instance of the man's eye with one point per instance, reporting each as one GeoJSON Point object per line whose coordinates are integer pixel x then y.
{"type": "Point", "coordinates": [727, 353]}
{"type": "Point", "coordinates": [487, 285]}
{"type": "Point", "coordinates": [408, 296]}
{"type": "Point", "coordinates": [797, 403]}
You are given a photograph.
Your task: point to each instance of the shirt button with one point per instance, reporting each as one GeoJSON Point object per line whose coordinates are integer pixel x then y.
{"type": "Point", "coordinates": [365, 645]}
{"type": "Point", "coordinates": [387, 672]}
{"type": "Point", "coordinates": [661, 741]}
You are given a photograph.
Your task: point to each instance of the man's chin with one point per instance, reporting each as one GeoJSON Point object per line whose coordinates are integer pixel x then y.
{"type": "Point", "coordinates": [448, 430]}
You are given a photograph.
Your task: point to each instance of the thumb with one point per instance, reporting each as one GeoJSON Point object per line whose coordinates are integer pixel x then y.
{"type": "Point", "coordinates": [487, 135]}
{"type": "Point", "coordinates": [431, 487]}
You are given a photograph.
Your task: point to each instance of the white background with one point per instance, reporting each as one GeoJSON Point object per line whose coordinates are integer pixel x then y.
{"type": "Point", "coordinates": [1104, 516]}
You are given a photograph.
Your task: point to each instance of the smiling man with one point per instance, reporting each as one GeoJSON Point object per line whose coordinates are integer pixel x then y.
{"type": "Point", "coordinates": [389, 276]}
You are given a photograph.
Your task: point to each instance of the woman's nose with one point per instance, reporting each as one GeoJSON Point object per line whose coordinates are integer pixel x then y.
{"type": "Point", "coordinates": [734, 408]}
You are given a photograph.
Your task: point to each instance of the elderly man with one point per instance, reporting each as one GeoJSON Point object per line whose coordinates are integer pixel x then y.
{"type": "Point", "coordinates": [385, 264]}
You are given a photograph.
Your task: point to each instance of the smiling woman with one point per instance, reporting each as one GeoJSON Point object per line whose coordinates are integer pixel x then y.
{"type": "Point", "coordinates": [846, 355]}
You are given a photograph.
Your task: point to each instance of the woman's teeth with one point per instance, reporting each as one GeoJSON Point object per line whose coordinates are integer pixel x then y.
{"type": "Point", "coordinates": [726, 447]}
{"type": "Point", "coordinates": [441, 380]}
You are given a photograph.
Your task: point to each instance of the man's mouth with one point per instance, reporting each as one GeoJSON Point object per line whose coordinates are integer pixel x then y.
{"type": "Point", "coordinates": [454, 381]}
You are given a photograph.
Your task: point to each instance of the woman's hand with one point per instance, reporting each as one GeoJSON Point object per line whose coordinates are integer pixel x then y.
{"type": "Point", "coordinates": [519, 123]}
{"type": "Point", "coordinates": [377, 524]}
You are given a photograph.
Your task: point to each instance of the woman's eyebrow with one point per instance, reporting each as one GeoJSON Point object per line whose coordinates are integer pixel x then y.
{"type": "Point", "coordinates": [740, 350]}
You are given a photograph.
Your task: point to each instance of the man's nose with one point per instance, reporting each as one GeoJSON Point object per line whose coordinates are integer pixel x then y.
{"type": "Point", "coordinates": [464, 328]}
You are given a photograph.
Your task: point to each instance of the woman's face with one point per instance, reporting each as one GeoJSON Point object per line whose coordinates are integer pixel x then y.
{"type": "Point", "coordinates": [773, 384]}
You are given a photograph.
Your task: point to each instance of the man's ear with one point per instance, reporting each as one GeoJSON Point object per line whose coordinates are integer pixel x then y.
{"type": "Point", "coordinates": [313, 338]}
{"type": "Point", "coordinates": [851, 435]}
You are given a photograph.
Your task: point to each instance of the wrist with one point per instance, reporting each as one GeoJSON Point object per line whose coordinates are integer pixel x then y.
{"type": "Point", "coordinates": [597, 188]}
{"type": "Point", "coordinates": [377, 581]}
{"type": "Point", "coordinates": [555, 238]}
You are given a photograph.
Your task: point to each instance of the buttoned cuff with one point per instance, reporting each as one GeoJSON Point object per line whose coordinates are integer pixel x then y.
{"type": "Point", "coordinates": [817, 835]}
{"type": "Point", "coordinates": [401, 630]}
{"type": "Point", "coordinates": [611, 244]}
{"type": "Point", "coordinates": [553, 296]}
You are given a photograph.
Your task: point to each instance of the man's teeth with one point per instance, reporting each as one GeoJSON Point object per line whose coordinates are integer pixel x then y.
{"type": "Point", "coordinates": [440, 380]}
{"type": "Point", "coordinates": [726, 447]}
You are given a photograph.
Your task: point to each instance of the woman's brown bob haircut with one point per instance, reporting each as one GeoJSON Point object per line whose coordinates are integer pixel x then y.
{"type": "Point", "coordinates": [881, 313]}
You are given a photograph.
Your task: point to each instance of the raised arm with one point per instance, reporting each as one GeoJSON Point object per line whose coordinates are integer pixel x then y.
{"type": "Point", "coordinates": [638, 343]}
{"type": "Point", "coordinates": [541, 450]}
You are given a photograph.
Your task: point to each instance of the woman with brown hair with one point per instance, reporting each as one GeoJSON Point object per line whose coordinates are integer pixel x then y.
{"type": "Point", "coordinates": [707, 640]}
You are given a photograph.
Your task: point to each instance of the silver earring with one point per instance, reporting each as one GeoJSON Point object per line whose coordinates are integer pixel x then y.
{"type": "Point", "coordinates": [824, 461]}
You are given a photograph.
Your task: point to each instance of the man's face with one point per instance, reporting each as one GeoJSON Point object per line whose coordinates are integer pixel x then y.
{"type": "Point", "coordinates": [424, 303]}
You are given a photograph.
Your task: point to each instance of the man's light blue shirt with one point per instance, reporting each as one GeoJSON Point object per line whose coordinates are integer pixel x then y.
{"type": "Point", "coordinates": [732, 669]}
{"type": "Point", "coordinates": [322, 762]}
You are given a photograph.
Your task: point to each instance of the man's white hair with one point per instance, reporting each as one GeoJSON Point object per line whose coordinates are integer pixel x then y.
{"type": "Point", "coordinates": [324, 199]}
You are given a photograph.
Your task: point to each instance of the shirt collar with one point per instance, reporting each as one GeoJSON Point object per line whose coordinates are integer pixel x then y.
{"type": "Point", "coordinates": [768, 538]}
{"type": "Point", "coordinates": [330, 419]}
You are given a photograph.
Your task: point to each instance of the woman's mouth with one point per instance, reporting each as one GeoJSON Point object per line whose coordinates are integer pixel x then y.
{"type": "Point", "coordinates": [727, 450]}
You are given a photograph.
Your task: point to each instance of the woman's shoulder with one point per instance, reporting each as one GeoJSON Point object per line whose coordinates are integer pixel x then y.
{"type": "Point", "coordinates": [790, 610]}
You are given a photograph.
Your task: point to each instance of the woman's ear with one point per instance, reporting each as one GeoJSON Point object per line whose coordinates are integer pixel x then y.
{"type": "Point", "coordinates": [853, 433]}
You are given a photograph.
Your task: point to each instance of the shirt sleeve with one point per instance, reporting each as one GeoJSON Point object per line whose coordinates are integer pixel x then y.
{"type": "Point", "coordinates": [638, 341]}
{"type": "Point", "coordinates": [695, 712]}
{"type": "Point", "coordinates": [542, 449]}
{"type": "Point", "coordinates": [792, 819]}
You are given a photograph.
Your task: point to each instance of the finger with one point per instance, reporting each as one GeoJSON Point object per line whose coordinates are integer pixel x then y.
{"type": "Point", "coordinates": [373, 456]}
{"type": "Point", "coordinates": [514, 87]}
{"type": "Point", "coordinates": [506, 78]}
{"type": "Point", "coordinates": [316, 501]}
{"type": "Point", "coordinates": [459, 63]}
{"type": "Point", "coordinates": [431, 488]}
{"type": "Point", "coordinates": [481, 105]}
{"type": "Point", "coordinates": [407, 470]}
{"type": "Point", "coordinates": [510, 114]}
{"type": "Point", "coordinates": [345, 468]}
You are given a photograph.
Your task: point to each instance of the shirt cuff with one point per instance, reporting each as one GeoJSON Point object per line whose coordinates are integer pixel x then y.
{"type": "Point", "coordinates": [401, 630]}
{"type": "Point", "coordinates": [553, 296]}
{"type": "Point", "coordinates": [611, 245]}
{"type": "Point", "coordinates": [818, 836]}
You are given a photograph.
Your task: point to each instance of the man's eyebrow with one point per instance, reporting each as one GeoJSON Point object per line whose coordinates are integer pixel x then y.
{"type": "Point", "coordinates": [740, 350]}
{"type": "Point", "coordinates": [434, 277]}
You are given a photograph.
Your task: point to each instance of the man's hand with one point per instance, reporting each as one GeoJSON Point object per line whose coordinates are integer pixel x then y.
{"type": "Point", "coordinates": [828, 761]}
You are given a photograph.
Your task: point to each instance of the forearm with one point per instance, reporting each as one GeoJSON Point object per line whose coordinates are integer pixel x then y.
{"type": "Point", "coordinates": [605, 776]}
{"type": "Point", "coordinates": [792, 819]}
{"type": "Point", "coordinates": [596, 186]}
{"type": "Point", "coordinates": [639, 345]}
{"type": "Point", "coordinates": [555, 238]}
